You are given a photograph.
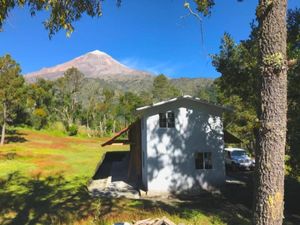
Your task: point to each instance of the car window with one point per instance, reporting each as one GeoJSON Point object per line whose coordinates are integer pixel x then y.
{"type": "Point", "coordinates": [238, 153]}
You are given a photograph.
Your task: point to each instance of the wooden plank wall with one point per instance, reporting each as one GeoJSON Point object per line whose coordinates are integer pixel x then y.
{"type": "Point", "coordinates": [135, 160]}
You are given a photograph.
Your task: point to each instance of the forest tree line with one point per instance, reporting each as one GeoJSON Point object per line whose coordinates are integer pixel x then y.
{"type": "Point", "coordinates": [239, 87]}
{"type": "Point", "coordinates": [72, 103]}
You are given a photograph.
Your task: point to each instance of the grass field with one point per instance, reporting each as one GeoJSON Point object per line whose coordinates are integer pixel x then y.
{"type": "Point", "coordinates": [43, 178]}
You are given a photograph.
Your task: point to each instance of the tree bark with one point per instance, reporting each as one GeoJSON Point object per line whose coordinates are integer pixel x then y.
{"type": "Point", "coordinates": [269, 177]}
{"type": "Point", "coordinates": [3, 125]}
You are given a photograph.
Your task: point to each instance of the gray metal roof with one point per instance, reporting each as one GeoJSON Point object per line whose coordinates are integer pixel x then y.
{"type": "Point", "coordinates": [185, 97]}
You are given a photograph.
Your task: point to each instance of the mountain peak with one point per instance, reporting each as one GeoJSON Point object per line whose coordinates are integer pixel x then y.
{"type": "Point", "coordinates": [94, 64]}
{"type": "Point", "coordinates": [97, 52]}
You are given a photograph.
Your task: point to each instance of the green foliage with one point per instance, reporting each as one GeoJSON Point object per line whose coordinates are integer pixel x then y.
{"type": "Point", "coordinates": [72, 130]}
{"type": "Point", "coordinates": [62, 14]}
{"type": "Point", "coordinates": [11, 91]}
{"type": "Point", "coordinates": [242, 122]}
{"type": "Point", "coordinates": [96, 107]}
{"type": "Point", "coordinates": [209, 93]}
{"type": "Point", "coordinates": [239, 69]}
{"type": "Point", "coordinates": [128, 102]}
{"type": "Point", "coordinates": [204, 6]}
{"type": "Point", "coordinates": [238, 86]}
{"type": "Point", "coordinates": [39, 103]}
{"type": "Point", "coordinates": [72, 81]}
{"type": "Point", "coordinates": [163, 89]}
{"type": "Point", "coordinates": [294, 92]}
{"type": "Point", "coordinates": [11, 83]}
{"type": "Point", "coordinates": [67, 96]}
{"type": "Point", "coordinates": [192, 86]}
{"type": "Point", "coordinates": [293, 33]}
{"type": "Point", "coordinates": [39, 118]}
{"type": "Point", "coordinates": [57, 128]}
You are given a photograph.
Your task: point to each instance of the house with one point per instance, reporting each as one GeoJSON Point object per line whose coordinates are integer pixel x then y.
{"type": "Point", "coordinates": [176, 146]}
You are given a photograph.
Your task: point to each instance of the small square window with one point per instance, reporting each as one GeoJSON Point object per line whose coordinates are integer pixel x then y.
{"type": "Point", "coordinates": [203, 160]}
{"type": "Point", "coordinates": [167, 120]}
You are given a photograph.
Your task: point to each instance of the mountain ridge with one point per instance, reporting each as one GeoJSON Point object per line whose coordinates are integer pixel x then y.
{"type": "Point", "coordinates": [94, 64]}
{"type": "Point", "coordinates": [99, 67]}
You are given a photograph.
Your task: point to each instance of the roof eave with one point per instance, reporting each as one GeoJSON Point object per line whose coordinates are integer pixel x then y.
{"type": "Point", "coordinates": [140, 110]}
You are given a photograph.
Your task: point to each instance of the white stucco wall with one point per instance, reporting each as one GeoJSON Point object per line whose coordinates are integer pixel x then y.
{"type": "Point", "coordinates": [170, 152]}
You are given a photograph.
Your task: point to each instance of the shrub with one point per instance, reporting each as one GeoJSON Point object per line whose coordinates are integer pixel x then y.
{"type": "Point", "coordinates": [57, 127]}
{"type": "Point", "coordinates": [73, 130]}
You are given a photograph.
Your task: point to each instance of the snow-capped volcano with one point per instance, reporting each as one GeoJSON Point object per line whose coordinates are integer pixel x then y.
{"type": "Point", "coordinates": [95, 64]}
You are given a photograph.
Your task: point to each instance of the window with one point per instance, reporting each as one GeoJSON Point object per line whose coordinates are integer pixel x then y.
{"type": "Point", "coordinates": [171, 119]}
{"type": "Point", "coordinates": [167, 120]}
{"type": "Point", "coordinates": [199, 162]}
{"type": "Point", "coordinates": [203, 160]}
{"type": "Point", "coordinates": [162, 120]}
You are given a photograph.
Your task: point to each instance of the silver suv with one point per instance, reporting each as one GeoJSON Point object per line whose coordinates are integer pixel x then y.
{"type": "Point", "coordinates": [238, 159]}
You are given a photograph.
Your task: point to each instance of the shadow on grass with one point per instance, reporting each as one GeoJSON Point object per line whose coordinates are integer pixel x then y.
{"type": "Point", "coordinates": [215, 207]}
{"type": "Point", "coordinates": [242, 195]}
{"type": "Point", "coordinates": [50, 200]}
{"type": "Point", "coordinates": [233, 206]}
{"type": "Point", "coordinates": [55, 200]}
{"type": "Point", "coordinates": [15, 139]}
{"type": "Point", "coordinates": [14, 136]}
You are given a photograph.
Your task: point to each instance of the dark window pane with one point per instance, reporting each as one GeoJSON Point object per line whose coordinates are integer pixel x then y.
{"type": "Point", "coordinates": [171, 119]}
{"type": "Point", "coordinates": [199, 160]}
{"type": "Point", "coordinates": [207, 160]}
{"type": "Point", "coordinates": [171, 122]}
{"type": "Point", "coordinates": [162, 120]}
{"type": "Point", "coordinates": [171, 115]}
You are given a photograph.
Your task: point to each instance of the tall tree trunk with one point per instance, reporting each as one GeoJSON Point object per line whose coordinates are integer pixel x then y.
{"type": "Point", "coordinates": [269, 184]}
{"type": "Point", "coordinates": [3, 125]}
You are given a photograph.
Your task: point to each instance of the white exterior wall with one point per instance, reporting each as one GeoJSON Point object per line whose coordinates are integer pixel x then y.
{"type": "Point", "coordinates": [170, 152]}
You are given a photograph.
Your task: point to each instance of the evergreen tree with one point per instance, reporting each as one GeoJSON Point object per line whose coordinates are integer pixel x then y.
{"type": "Point", "coordinates": [163, 89]}
{"type": "Point", "coordinates": [293, 27]}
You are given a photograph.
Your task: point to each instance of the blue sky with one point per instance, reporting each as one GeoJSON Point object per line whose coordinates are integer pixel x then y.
{"type": "Point", "coordinates": [152, 35]}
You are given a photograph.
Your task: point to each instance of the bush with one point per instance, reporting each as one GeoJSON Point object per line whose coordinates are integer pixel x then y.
{"type": "Point", "coordinates": [57, 127]}
{"type": "Point", "coordinates": [73, 130]}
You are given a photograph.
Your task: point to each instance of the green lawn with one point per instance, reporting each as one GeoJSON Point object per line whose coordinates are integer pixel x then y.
{"type": "Point", "coordinates": [43, 179]}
